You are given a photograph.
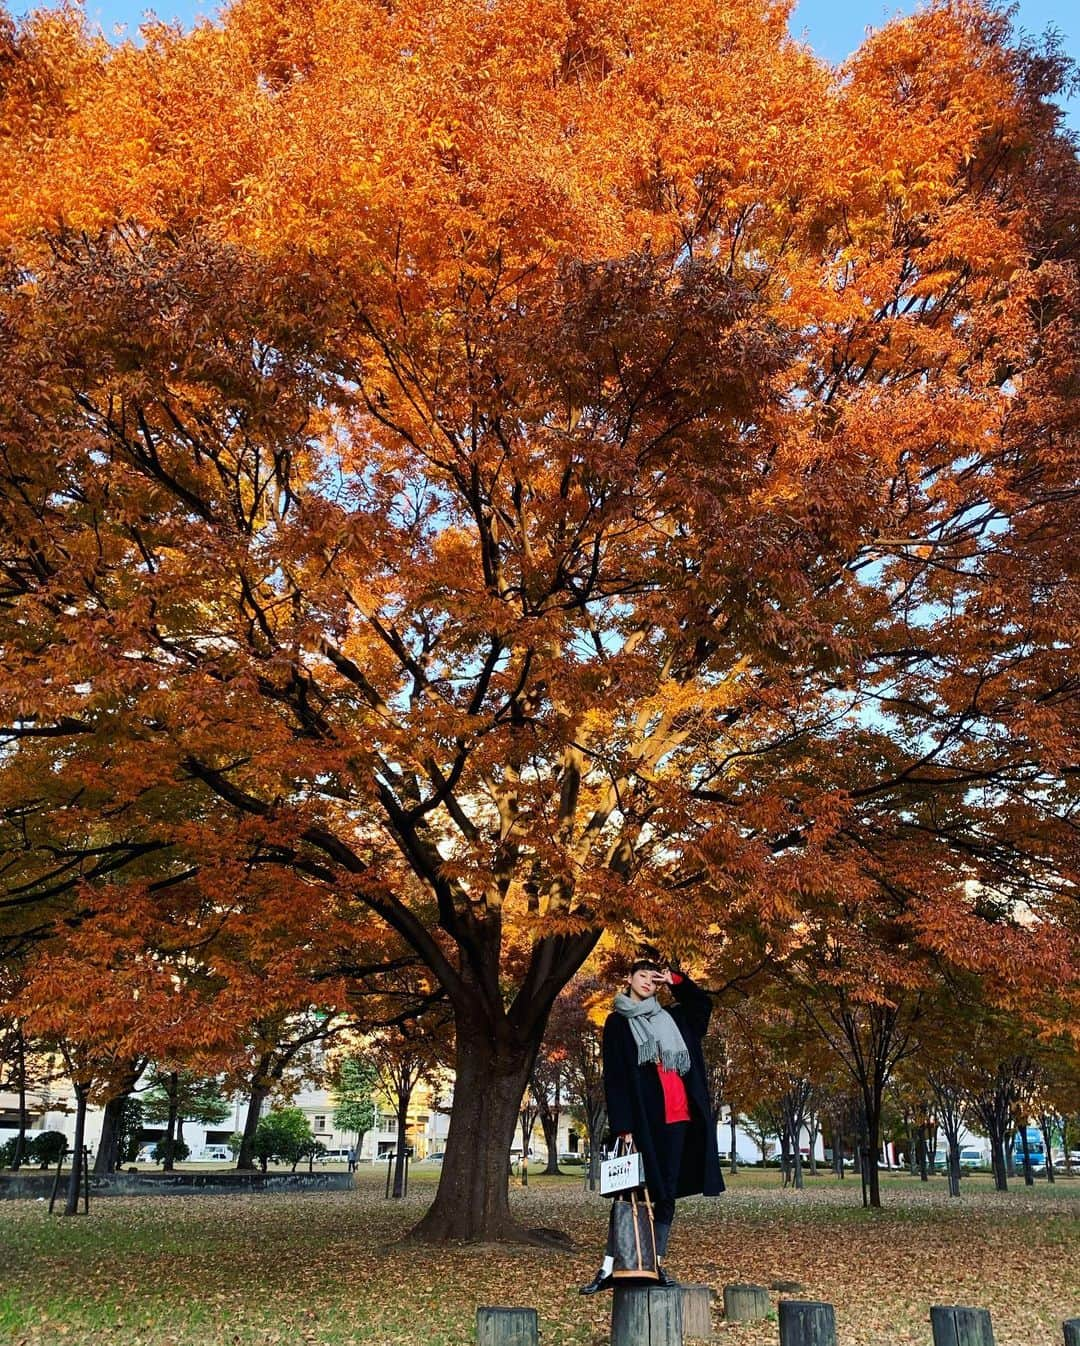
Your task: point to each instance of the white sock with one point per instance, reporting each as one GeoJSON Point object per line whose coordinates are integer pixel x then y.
{"type": "Point", "coordinates": [608, 1266]}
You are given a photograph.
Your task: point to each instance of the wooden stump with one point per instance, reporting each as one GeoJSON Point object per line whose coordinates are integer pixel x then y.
{"type": "Point", "coordinates": [647, 1315]}
{"type": "Point", "coordinates": [805, 1322]}
{"type": "Point", "coordinates": [957, 1326]}
{"type": "Point", "coordinates": [745, 1303]}
{"type": "Point", "coordinates": [507, 1327]}
{"type": "Point", "coordinates": [697, 1311]}
{"type": "Point", "coordinates": [1072, 1332]}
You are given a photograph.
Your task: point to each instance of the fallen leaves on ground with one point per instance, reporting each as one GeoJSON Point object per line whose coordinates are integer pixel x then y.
{"type": "Point", "coordinates": [329, 1268]}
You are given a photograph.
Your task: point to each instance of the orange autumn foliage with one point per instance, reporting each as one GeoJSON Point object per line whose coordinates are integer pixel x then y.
{"type": "Point", "coordinates": [515, 472]}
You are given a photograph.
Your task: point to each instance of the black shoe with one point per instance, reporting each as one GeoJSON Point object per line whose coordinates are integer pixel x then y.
{"type": "Point", "coordinates": [665, 1277]}
{"type": "Point", "coordinates": [601, 1281]}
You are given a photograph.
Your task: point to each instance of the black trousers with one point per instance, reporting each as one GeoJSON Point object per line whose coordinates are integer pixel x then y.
{"type": "Point", "coordinates": [671, 1161]}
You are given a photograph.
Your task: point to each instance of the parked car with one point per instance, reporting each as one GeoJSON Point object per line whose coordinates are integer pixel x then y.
{"type": "Point", "coordinates": [216, 1153]}
{"type": "Point", "coordinates": [970, 1157]}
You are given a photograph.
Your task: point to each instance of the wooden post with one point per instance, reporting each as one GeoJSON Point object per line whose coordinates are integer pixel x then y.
{"type": "Point", "coordinates": [805, 1322]}
{"type": "Point", "coordinates": [507, 1327]}
{"type": "Point", "coordinates": [644, 1315]}
{"type": "Point", "coordinates": [745, 1303]}
{"type": "Point", "coordinates": [1072, 1332]}
{"type": "Point", "coordinates": [697, 1311]}
{"type": "Point", "coordinates": [956, 1326]}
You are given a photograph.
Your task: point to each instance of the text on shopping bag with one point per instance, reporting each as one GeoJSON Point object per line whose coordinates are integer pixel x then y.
{"type": "Point", "coordinates": [620, 1173]}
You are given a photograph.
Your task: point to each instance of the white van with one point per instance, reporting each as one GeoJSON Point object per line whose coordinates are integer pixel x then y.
{"type": "Point", "coordinates": [970, 1157]}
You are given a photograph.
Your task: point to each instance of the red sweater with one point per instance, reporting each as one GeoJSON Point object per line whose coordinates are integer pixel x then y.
{"type": "Point", "coordinates": [676, 1103]}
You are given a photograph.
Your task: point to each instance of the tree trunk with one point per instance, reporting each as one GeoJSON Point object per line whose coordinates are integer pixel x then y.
{"type": "Point", "coordinates": [733, 1122]}
{"type": "Point", "coordinates": [596, 1122]}
{"type": "Point", "coordinates": [785, 1153]}
{"type": "Point", "coordinates": [549, 1124]}
{"type": "Point", "coordinates": [260, 1091]}
{"type": "Point", "coordinates": [920, 1153]}
{"type": "Point", "coordinates": [20, 1135]}
{"type": "Point", "coordinates": [82, 1092]}
{"type": "Point", "coordinates": [170, 1132]}
{"type": "Point", "coordinates": [1047, 1129]}
{"type": "Point", "coordinates": [872, 1135]}
{"type": "Point", "coordinates": [997, 1160]}
{"type": "Point", "coordinates": [812, 1128]}
{"type": "Point", "coordinates": [109, 1144]}
{"type": "Point", "coordinates": [1029, 1177]}
{"type": "Point", "coordinates": [472, 1202]}
{"type": "Point", "coordinates": [954, 1167]}
{"type": "Point", "coordinates": [838, 1144]}
{"type": "Point", "coordinates": [1010, 1152]}
{"type": "Point", "coordinates": [402, 1144]}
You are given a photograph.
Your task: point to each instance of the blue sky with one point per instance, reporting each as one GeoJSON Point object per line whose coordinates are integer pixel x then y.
{"type": "Point", "coordinates": [834, 28]}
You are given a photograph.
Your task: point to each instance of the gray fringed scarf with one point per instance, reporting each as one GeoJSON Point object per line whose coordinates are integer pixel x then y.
{"type": "Point", "coordinates": [655, 1032]}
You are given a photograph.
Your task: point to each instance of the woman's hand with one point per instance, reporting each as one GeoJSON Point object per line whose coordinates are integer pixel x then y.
{"type": "Point", "coordinates": [663, 977]}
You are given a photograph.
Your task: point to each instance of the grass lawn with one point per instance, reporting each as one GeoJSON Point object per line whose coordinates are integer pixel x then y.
{"type": "Point", "coordinates": [327, 1268]}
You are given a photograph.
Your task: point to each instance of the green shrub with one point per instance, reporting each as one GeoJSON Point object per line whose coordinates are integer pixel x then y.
{"type": "Point", "coordinates": [47, 1147]}
{"type": "Point", "coordinates": [283, 1135]}
{"type": "Point", "coordinates": [180, 1151]}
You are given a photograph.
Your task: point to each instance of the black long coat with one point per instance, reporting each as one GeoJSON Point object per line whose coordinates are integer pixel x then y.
{"type": "Point", "coordinates": [635, 1098]}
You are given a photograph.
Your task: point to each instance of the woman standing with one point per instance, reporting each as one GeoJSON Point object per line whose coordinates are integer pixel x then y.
{"type": "Point", "coordinates": [658, 1096]}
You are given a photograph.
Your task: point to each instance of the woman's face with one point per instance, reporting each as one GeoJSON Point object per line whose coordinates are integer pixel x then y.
{"type": "Point", "coordinates": [642, 983]}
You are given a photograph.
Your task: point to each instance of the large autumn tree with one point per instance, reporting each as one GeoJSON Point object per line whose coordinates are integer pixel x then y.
{"type": "Point", "coordinates": [531, 469]}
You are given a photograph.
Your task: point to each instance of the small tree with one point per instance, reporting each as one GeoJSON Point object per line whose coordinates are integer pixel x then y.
{"type": "Point", "coordinates": [404, 1056]}
{"type": "Point", "coordinates": [760, 1122]}
{"type": "Point", "coordinates": [282, 1135]}
{"type": "Point", "coordinates": [176, 1097]}
{"type": "Point", "coordinates": [354, 1083]}
{"type": "Point", "coordinates": [47, 1147]}
{"type": "Point", "coordinates": [576, 1022]}
{"type": "Point", "coordinates": [130, 1130]}
{"type": "Point", "coordinates": [313, 1149]}
{"type": "Point", "coordinates": [286, 1042]}
{"type": "Point", "coordinates": [169, 1152]}
{"type": "Point", "coordinates": [546, 1086]}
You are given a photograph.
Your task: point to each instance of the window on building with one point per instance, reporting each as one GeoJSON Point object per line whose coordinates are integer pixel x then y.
{"type": "Point", "coordinates": [320, 1123]}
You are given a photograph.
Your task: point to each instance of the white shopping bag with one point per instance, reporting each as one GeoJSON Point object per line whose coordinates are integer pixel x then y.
{"type": "Point", "coordinates": [621, 1172]}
